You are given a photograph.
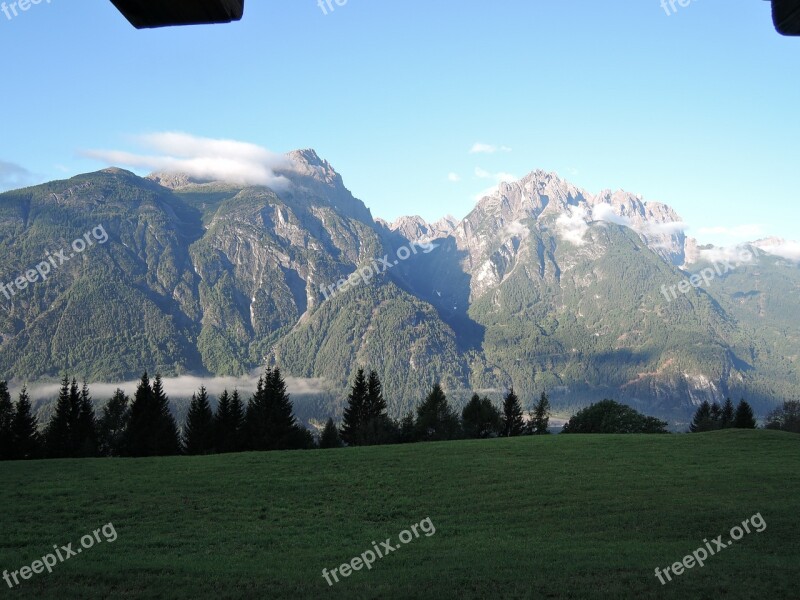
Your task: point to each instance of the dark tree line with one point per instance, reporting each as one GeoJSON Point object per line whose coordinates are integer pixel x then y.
{"type": "Point", "coordinates": [144, 425]}
{"type": "Point", "coordinates": [710, 417]}
{"type": "Point", "coordinates": [366, 422]}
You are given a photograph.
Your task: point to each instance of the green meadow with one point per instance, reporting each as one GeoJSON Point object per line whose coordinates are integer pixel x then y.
{"type": "Point", "coordinates": [534, 517]}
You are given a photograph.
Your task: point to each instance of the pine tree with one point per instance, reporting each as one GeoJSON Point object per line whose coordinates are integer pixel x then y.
{"type": "Point", "coordinates": [85, 436]}
{"type": "Point", "coordinates": [513, 422]}
{"type": "Point", "coordinates": [151, 429]}
{"type": "Point", "coordinates": [58, 434]}
{"type": "Point", "coordinates": [229, 423]}
{"type": "Point", "coordinates": [406, 430]}
{"type": "Point", "coordinates": [480, 418]}
{"type": "Point", "coordinates": [541, 416]}
{"type": "Point", "coordinates": [112, 425]}
{"type": "Point", "coordinates": [435, 419]}
{"type": "Point", "coordinates": [269, 420]}
{"type": "Point", "coordinates": [727, 415]}
{"type": "Point", "coordinates": [330, 436]}
{"type": "Point", "coordinates": [168, 441]}
{"type": "Point", "coordinates": [744, 418]}
{"type": "Point", "coordinates": [716, 416]}
{"type": "Point", "coordinates": [376, 427]}
{"type": "Point", "coordinates": [237, 422]}
{"type": "Point", "coordinates": [25, 430]}
{"type": "Point", "coordinates": [702, 419]}
{"type": "Point", "coordinates": [354, 414]}
{"type": "Point", "coordinates": [198, 435]}
{"type": "Point", "coordinates": [6, 423]}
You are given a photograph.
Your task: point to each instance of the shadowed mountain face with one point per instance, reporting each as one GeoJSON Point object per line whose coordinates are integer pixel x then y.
{"type": "Point", "coordinates": [543, 285]}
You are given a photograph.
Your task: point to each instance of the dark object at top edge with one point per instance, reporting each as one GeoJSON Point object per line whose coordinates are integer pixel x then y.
{"type": "Point", "coordinates": [144, 14]}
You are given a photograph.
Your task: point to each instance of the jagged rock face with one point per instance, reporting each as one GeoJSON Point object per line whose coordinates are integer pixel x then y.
{"type": "Point", "coordinates": [542, 285]}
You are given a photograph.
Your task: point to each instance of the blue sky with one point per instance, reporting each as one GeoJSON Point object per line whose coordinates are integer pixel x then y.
{"type": "Point", "coordinates": [698, 109]}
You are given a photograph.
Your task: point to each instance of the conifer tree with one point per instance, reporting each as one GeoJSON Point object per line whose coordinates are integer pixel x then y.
{"type": "Point", "coordinates": [168, 441]}
{"type": "Point", "coordinates": [513, 422]}
{"type": "Point", "coordinates": [112, 424]}
{"type": "Point", "coordinates": [480, 418]}
{"type": "Point", "coordinates": [436, 420]}
{"type": "Point", "coordinates": [541, 416]}
{"type": "Point", "coordinates": [25, 430]}
{"type": "Point", "coordinates": [151, 428]}
{"type": "Point", "coordinates": [269, 420]}
{"type": "Point", "coordinates": [237, 422]}
{"type": "Point", "coordinates": [727, 415]}
{"type": "Point", "coordinates": [198, 435]}
{"type": "Point", "coordinates": [58, 434]}
{"type": "Point", "coordinates": [330, 436]}
{"type": "Point", "coordinates": [744, 417]}
{"type": "Point", "coordinates": [229, 423]}
{"type": "Point", "coordinates": [85, 436]}
{"type": "Point", "coordinates": [716, 416]}
{"type": "Point", "coordinates": [354, 414]}
{"type": "Point", "coordinates": [376, 427]}
{"type": "Point", "coordinates": [407, 432]}
{"type": "Point", "coordinates": [702, 418]}
{"type": "Point", "coordinates": [6, 423]}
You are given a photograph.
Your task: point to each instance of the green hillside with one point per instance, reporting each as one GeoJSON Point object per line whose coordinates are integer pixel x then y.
{"type": "Point", "coordinates": [556, 517]}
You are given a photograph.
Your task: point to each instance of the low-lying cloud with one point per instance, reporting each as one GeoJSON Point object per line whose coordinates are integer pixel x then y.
{"type": "Point", "coordinates": [790, 250]}
{"type": "Point", "coordinates": [202, 158]}
{"type": "Point", "coordinates": [184, 387]}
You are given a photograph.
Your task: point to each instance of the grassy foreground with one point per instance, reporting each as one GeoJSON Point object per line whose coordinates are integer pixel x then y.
{"type": "Point", "coordinates": [558, 517]}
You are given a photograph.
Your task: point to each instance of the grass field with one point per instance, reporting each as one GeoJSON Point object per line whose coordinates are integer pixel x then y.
{"type": "Point", "coordinates": [557, 517]}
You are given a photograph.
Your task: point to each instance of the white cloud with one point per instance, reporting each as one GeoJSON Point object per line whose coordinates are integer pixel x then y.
{"type": "Point", "coordinates": [605, 212]}
{"type": "Point", "coordinates": [453, 177]}
{"type": "Point", "coordinates": [184, 387]}
{"type": "Point", "coordinates": [203, 158]}
{"type": "Point", "coordinates": [517, 229]}
{"type": "Point", "coordinates": [573, 226]}
{"type": "Point", "coordinates": [480, 148]}
{"type": "Point", "coordinates": [789, 250]}
{"type": "Point", "coordinates": [736, 255]}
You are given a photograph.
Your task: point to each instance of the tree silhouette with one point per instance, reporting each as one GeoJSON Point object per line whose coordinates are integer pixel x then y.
{"type": "Point", "coordinates": [541, 416]}
{"type": "Point", "coordinates": [25, 430]}
{"type": "Point", "coordinates": [112, 424]}
{"type": "Point", "coordinates": [435, 419]}
{"type": "Point", "coordinates": [198, 435]}
{"type": "Point", "coordinates": [513, 422]}
{"type": "Point", "coordinates": [744, 417]}
{"type": "Point", "coordinates": [355, 411]}
{"type": "Point", "coordinates": [6, 422]}
{"type": "Point", "coordinates": [480, 418]}
{"type": "Point", "coordinates": [330, 436]}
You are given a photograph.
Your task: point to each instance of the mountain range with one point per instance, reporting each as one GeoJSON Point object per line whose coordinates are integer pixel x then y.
{"type": "Point", "coordinates": [543, 286]}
